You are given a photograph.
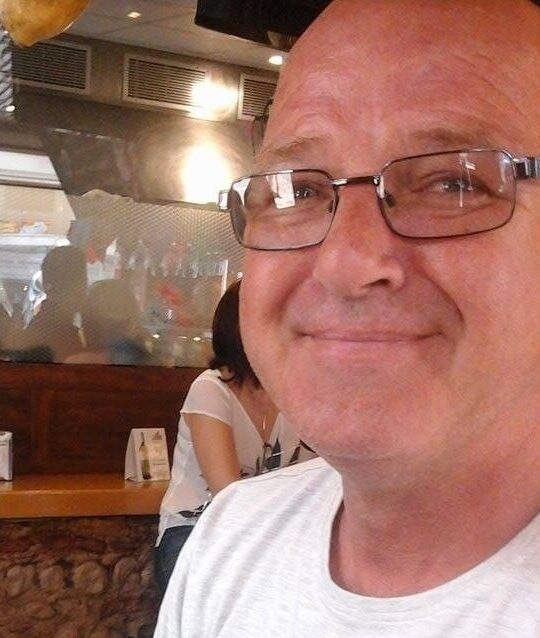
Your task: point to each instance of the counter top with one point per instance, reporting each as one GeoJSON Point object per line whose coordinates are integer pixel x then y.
{"type": "Point", "coordinates": [45, 496]}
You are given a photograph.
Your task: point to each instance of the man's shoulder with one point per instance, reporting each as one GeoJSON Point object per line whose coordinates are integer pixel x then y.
{"type": "Point", "coordinates": [283, 506]}
{"type": "Point", "coordinates": [252, 535]}
{"type": "Point", "coordinates": [293, 486]}
{"type": "Point", "coordinates": [306, 474]}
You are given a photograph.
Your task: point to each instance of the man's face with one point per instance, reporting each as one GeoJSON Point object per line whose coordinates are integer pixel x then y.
{"type": "Point", "coordinates": [376, 346]}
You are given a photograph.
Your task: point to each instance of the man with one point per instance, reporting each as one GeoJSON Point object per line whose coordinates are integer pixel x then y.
{"type": "Point", "coordinates": [51, 335]}
{"type": "Point", "coordinates": [395, 319]}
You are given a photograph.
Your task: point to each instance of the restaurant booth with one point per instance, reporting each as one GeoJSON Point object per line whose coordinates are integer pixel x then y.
{"type": "Point", "coordinates": [75, 537]}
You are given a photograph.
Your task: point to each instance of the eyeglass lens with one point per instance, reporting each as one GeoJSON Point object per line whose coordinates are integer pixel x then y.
{"type": "Point", "coordinates": [280, 210]}
{"type": "Point", "coordinates": [450, 194]}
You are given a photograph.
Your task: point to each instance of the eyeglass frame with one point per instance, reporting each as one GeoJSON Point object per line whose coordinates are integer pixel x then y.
{"type": "Point", "coordinates": [526, 167]}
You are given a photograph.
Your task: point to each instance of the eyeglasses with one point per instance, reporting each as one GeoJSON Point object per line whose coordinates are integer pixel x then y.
{"type": "Point", "coordinates": [431, 196]}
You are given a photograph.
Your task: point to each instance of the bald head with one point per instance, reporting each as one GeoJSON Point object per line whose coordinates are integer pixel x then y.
{"type": "Point", "coordinates": [374, 66]}
{"type": "Point", "coordinates": [512, 23]}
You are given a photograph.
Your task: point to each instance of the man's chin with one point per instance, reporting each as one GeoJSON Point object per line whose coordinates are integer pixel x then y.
{"type": "Point", "coordinates": [367, 426]}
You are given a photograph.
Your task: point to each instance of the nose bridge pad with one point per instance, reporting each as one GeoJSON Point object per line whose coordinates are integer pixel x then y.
{"type": "Point", "coordinates": [360, 251]}
{"type": "Point", "coordinates": [385, 197]}
{"type": "Point", "coordinates": [378, 180]}
{"type": "Point", "coordinates": [375, 181]}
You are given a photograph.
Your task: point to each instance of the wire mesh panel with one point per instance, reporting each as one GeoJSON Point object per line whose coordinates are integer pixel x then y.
{"type": "Point", "coordinates": [150, 279]}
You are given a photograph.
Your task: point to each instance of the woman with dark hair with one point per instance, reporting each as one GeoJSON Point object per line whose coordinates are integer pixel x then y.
{"type": "Point", "coordinates": [229, 429]}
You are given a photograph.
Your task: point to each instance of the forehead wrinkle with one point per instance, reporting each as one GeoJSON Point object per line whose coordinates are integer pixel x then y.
{"type": "Point", "coordinates": [467, 136]}
{"type": "Point", "coordinates": [297, 152]}
{"type": "Point", "coordinates": [294, 149]}
{"type": "Point", "coordinates": [306, 152]}
{"type": "Point", "coordinates": [305, 96]}
{"type": "Point", "coordinates": [300, 137]}
{"type": "Point", "coordinates": [491, 112]}
{"type": "Point", "coordinates": [470, 72]}
{"type": "Point", "coordinates": [450, 83]}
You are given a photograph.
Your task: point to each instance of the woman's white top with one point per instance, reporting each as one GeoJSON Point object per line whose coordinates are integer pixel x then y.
{"type": "Point", "coordinates": [188, 492]}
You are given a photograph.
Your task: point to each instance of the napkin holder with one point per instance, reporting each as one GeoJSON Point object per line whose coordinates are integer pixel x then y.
{"type": "Point", "coordinates": [6, 456]}
{"type": "Point", "coordinates": [147, 458]}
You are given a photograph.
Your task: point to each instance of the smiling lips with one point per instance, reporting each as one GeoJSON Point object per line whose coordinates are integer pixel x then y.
{"type": "Point", "coordinates": [355, 336]}
{"type": "Point", "coordinates": [358, 346]}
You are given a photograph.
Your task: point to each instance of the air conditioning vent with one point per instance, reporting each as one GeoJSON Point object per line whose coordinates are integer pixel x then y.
{"type": "Point", "coordinates": [255, 94]}
{"type": "Point", "coordinates": [64, 66]}
{"type": "Point", "coordinates": [164, 83]}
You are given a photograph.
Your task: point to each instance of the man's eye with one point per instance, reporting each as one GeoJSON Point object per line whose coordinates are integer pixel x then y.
{"type": "Point", "coordinates": [454, 185]}
{"type": "Point", "coordinates": [304, 192]}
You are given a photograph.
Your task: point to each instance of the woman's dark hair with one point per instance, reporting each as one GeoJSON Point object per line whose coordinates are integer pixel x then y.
{"type": "Point", "coordinates": [226, 340]}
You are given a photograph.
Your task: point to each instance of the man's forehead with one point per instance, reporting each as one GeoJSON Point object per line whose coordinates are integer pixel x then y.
{"type": "Point", "coordinates": [375, 81]}
{"type": "Point", "coordinates": [377, 31]}
{"type": "Point", "coordinates": [381, 28]}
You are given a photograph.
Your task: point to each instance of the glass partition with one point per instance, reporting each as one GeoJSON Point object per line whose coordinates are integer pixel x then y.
{"type": "Point", "coordinates": [150, 278]}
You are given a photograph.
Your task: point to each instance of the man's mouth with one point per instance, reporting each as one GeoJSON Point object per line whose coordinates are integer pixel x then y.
{"type": "Point", "coordinates": [369, 336]}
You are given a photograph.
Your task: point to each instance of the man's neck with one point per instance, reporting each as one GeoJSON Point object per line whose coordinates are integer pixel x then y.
{"type": "Point", "coordinates": [398, 542]}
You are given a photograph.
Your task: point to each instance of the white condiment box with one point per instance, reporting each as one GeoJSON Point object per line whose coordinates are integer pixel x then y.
{"type": "Point", "coordinates": [6, 456]}
{"type": "Point", "coordinates": [147, 458]}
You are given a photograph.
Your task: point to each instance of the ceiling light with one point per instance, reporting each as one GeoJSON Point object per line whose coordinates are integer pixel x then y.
{"type": "Point", "coordinates": [134, 15]}
{"type": "Point", "coordinates": [276, 59]}
{"type": "Point", "coordinates": [211, 99]}
{"type": "Point", "coordinates": [204, 172]}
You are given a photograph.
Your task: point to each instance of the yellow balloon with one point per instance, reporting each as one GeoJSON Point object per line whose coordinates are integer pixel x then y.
{"type": "Point", "coordinates": [30, 21]}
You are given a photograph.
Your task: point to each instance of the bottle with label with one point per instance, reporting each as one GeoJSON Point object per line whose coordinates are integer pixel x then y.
{"type": "Point", "coordinates": [112, 264]}
{"type": "Point", "coordinates": [144, 459]}
{"type": "Point", "coordinates": [172, 262]}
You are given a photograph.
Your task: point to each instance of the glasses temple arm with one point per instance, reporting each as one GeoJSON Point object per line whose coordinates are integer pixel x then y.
{"type": "Point", "coordinates": [527, 167]}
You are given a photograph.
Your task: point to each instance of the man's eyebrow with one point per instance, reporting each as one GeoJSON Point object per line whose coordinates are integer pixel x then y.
{"type": "Point", "coordinates": [294, 149]}
{"type": "Point", "coordinates": [441, 138]}
{"type": "Point", "coordinates": [470, 135]}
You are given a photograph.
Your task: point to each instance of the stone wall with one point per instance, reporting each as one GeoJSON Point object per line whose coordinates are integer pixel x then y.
{"type": "Point", "coordinates": [78, 578]}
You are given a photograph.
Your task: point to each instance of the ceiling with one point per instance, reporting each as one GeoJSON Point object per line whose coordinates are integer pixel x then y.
{"type": "Point", "coordinates": [167, 25]}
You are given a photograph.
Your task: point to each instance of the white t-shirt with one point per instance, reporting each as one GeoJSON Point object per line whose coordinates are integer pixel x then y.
{"type": "Point", "coordinates": [257, 566]}
{"type": "Point", "coordinates": [187, 492]}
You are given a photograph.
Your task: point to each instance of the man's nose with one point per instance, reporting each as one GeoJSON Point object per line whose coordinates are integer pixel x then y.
{"type": "Point", "coordinates": [360, 252]}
